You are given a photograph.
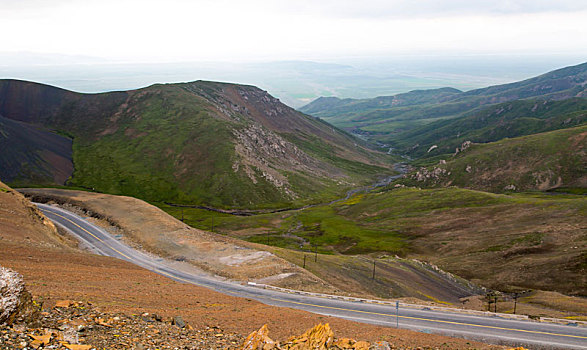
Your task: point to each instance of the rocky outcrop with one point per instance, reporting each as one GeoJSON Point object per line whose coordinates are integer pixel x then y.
{"type": "Point", "coordinates": [320, 337]}
{"type": "Point", "coordinates": [16, 303]}
{"type": "Point", "coordinates": [435, 174]}
{"type": "Point", "coordinates": [464, 146]}
{"type": "Point", "coordinates": [265, 154]}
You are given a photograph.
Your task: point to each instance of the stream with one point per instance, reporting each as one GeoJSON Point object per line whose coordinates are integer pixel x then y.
{"type": "Point", "coordinates": [402, 168]}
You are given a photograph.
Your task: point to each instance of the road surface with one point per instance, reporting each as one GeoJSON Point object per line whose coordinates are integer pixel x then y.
{"type": "Point", "coordinates": [491, 329]}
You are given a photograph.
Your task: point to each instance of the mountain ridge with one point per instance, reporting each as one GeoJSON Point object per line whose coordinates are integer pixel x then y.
{"type": "Point", "coordinates": [195, 142]}
{"type": "Point", "coordinates": [384, 123]}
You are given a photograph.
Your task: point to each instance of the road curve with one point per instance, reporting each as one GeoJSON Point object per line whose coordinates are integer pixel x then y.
{"type": "Point", "coordinates": [491, 329]}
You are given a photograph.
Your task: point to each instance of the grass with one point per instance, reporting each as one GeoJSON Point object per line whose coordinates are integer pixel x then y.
{"type": "Point", "coordinates": [506, 120]}
{"type": "Point", "coordinates": [474, 234]}
{"type": "Point", "coordinates": [177, 151]}
{"type": "Point", "coordinates": [402, 121]}
{"type": "Point", "coordinates": [172, 142]}
{"type": "Point", "coordinates": [535, 162]}
{"type": "Point", "coordinates": [364, 223]}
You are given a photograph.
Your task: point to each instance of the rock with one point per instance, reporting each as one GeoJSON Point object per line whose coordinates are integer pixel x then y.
{"type": "Point", "coordinates": [320, 337]}
{"type": "Point", "coordinates": [345, 343]}
{"type": "Point", "coordinates": [178, 321]}
{"type": "Point", "coordinates": [381, 345]}
{"type": "Point", "coordinates": [362, 345]}
{"type": "Point", "coordinates": [16, 303]}
{"type": "Point", "coordinates": [259, 340]}
{"type": "Point", "coordinates": [463, 147]}
{"type": "Point", "coordinates": [63, 303]}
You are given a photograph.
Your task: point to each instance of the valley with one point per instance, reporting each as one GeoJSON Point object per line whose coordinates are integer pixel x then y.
{"type": "Point", "coordinates": [413, 122]}
{"type": "Point", "coordinates": [472, 200]}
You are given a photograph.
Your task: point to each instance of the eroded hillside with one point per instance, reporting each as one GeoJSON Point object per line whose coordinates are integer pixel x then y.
{"type": "Point", "coordinates": [201, 142]}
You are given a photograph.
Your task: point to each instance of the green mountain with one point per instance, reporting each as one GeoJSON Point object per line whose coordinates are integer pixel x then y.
{"type": "Point", "coordinates": [544, 161]}
{"type": "Point", "coordinates": [200, 143]}
{"type": "Point", "coordinates": [504, 120]}
{"type": "Point", "coordinates": [384, 118]}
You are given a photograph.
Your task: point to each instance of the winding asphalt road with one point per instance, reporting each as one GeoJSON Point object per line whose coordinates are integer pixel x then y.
{"type": "Point", "coordinates": [491, 329]}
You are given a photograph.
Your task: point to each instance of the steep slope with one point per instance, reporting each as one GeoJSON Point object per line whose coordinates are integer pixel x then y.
{"type": "Point", "coordinates": [383, 121]}
{"type": "Point", "coordinates": [505, 120]}
{"type": "Point", "coordinates": [33, 155]}
{"type": "Point", "coordinates": [23, 224]}
{"type": "Point", "coordinates": [199, 143]}
{"type": "Point", "coordinates": [500, 241]}
{"type": "Point", "coordinates": [536, 162]}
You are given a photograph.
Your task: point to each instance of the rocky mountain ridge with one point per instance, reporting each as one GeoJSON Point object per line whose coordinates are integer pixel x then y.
{"type": "Point", "coordinates": [192, 142]}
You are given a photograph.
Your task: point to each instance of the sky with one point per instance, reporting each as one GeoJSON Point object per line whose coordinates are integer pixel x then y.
{"type": "Point", "coordinates": [256, 30]}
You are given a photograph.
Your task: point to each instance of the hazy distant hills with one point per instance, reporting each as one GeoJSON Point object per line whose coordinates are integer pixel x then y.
{"type": "Point", "coordinates": [201, 142]}
{"type": "Point", "coordinates": [387, 118]}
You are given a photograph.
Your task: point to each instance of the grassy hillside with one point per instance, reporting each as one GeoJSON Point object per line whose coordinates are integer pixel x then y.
{"type": "Point", "coordinates": [200, 143]}
{"type": "Point", "coordinates": [384, 118]}
{"type": "Point", "coordinates": [542, 162]}
{"type": "Point", "coordinates": [505, 120]}
{"type": "Point", "coordinates": [500, 241]}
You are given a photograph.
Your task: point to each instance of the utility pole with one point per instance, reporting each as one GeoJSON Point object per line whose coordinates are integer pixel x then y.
{"type": "Point", "coordinates": [304, 260]}
{"type": "Point", "coordinates": [397, 314]}
{"type": "Point", "coordinates": [373, 269]}
{"type": "Point", "coordinates": [495, 304]}
{"type": "Point", "coordinates": [515, 301]}
{"type": "Point", "coordinates": [316, 253]}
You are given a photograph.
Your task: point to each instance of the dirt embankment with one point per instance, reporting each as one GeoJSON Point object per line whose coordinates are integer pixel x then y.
{"type": "Point", "coordinates": [55, 271]}
{"type": "Point", "coordinates": [149, 228]}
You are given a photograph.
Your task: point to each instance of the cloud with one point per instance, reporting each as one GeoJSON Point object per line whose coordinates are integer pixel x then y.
{"type": "Point", "coordinates": [428, 8]}
{"type": "Point", "coordinates": [171, 30]}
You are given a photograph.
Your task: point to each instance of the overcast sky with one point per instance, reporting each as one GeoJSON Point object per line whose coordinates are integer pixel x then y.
{"type": "Point", "coordinates": [232, 30]}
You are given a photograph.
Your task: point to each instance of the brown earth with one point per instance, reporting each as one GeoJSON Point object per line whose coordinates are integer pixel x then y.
{"type": "Point", "coordinates": [478, 229]}
{"type": "Point", "coordinates": [55, 271]}
{"type": "Point", "coordinates": [153, 230]}
{"type": "Point", "coordinates": [527, 249]}
{"type": "Point", "coordinates": [150, 228]}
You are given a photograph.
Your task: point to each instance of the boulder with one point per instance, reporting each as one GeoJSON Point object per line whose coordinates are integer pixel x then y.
{"type": "Point", "coordinates": [259, 340]}
{"type": "Point", "coordinates": [16, 303]}
{"type": "Point", "coordinates": [178, 321]}
{"type": "Point", "coordinates": [320, 337]}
